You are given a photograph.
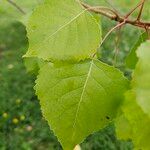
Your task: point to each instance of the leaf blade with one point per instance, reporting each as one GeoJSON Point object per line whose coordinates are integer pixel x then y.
{"type": "Point", "coordinates": [136, 108]}
{"type": "Point", "coordinates": [72, 35]}
{"type": "Point", "coordinates": [133, 124]}
{"type": "Point", "coordinates": [141, 77]}
{"type": "Point", "coordinates": [72, 95]}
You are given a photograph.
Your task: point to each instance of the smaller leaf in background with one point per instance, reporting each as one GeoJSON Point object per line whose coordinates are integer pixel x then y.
{"type": "Point", "coordinates": [79, 99]}
{"type": "Point", "coordinates": [62, 31]}
{"type": "Point", "coordinates": [133, 123]}
{"type": "Point", "coordinates": [135, 120]}
{"type": "Point", "coordinates": [132, 58]}
{"type": "Point", "coordinates": [141, 77]}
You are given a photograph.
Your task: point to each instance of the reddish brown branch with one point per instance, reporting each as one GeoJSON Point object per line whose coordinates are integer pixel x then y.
{"type": "Point", "coordinates": [110, 31]}
{"type": "Point", "coordinates": [111, 14]}
{"type": "Point", "coordinates": [16, 6]}
{"type": "Point", "coordinates": [140, 12]}
{"type": "Point", "coordinates": [140, 4]}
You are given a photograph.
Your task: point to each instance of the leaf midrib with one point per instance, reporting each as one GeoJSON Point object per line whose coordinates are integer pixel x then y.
{"type": "Point", "coordinates": [63, 26]}
{"type": "Point", "coordinates": [82, 94]}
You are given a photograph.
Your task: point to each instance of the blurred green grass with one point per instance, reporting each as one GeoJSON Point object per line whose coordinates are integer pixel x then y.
{"type": "Point", "coordinates": [21, 124]}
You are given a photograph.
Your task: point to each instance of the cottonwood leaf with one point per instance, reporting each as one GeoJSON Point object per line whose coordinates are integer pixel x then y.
{"type": "Point", "coordinates": [141, 77]}
{"type": "Point", "coordinates": [79, 99]}
{"type": "Point", "coordinates": [133, 123]}
{"type": "Point", "coordinates": [62, 31]}
{"type": "Point", "coordinates": [132, 58]}
{"type": "Point", "coordinates": [135, 120]}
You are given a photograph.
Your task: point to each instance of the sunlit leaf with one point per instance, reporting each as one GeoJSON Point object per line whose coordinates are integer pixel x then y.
{"type": "Point", "coordinates": [79, 99]}
{"type": "Point", "coordinates": [141, 77]}
{"type": "Point", "coordinates": [62, 31]}
{"type": "Point", "coordinates": [134, 123]}
{"type": "Point", "coordinates": [135, 120]}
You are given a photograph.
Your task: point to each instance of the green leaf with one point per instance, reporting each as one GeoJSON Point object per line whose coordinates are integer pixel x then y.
{"type": "Point", "coordinates": [134, 123]}
{"type": "Point", "coordinates": [62, 31]}
{"type": "Point", "coordinates": [141, 77]}
{"type": "Point", "coordinates": [95, 2]}
{"type": "Point", "coordinates": [132, 59]}
{"type": "Point", "coordinates": [135, 120]}
{"type": "Point", "coordinates": [79, 99]}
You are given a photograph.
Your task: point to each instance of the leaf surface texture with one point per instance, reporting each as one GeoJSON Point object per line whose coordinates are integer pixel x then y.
{"type": "Point", "coordinates": [79, 99]}
{"type": "Point", "coordinates": [135, 119]}
{"type": "Point", "coordinates": [62, 31]}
